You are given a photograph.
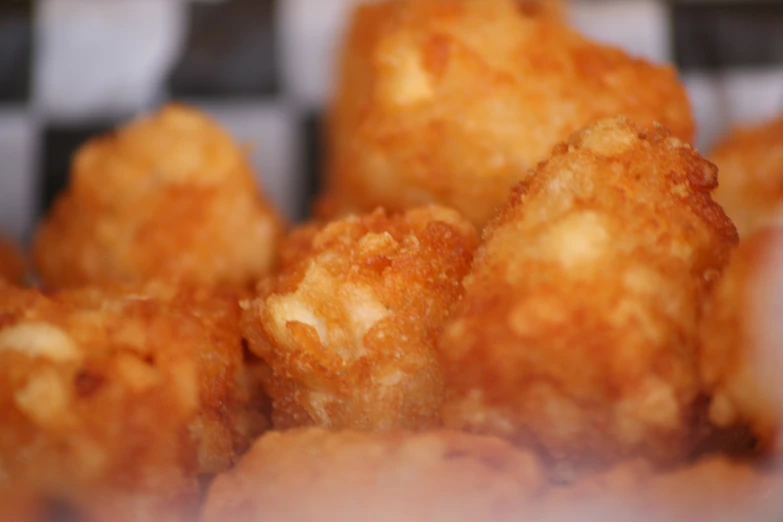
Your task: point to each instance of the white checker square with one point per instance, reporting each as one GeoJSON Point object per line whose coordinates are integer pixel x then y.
{"type": "Point", "coordinates": [641, 27]}
{"type": "Point", "coordinates": [18, 174]}
{"type": "Point", "coordinates": [95, 58]}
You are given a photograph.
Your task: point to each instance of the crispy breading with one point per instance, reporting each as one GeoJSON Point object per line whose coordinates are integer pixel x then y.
{"type": "Point", "coordinates": [166, 196]}
{"type": "Point", "coordinates": [348, 329]}
{"type": "Point", "coordinates": [750, 160]}
{"type": "Point", "coordinates": [453, 101]}
{"type": "Point", "coordinates": [228, 418]}
{"type": "Point", "coordinates": [578, 328]}
{"type": "Point", "coordinates": [739, 359]}
{"type": "Point", "coordinates": [12, 265]}
{"type": "Point", "coordinates": [96, 404]}
{"type": "Point", "coordinates": [316, 476]}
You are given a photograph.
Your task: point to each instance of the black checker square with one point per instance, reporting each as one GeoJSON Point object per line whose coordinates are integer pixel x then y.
{"type": "Point", "coordinates": [16, 36]}
{"type": "Point", "coordinates": [313, 151]}
{"type": "Point", "coordinates": [59, 143]}
{"type": "Point", "coordinates": [715, 35]}
{"type": "Point", "coordinates": [230, 51]}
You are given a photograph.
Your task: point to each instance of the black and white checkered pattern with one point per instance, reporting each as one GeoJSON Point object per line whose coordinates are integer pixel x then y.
{"type": "Point", "coordinates": [72, 68]}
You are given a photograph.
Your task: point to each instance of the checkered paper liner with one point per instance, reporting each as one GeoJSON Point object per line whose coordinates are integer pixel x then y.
{"type": "Point", "coordinates": [70, 69]}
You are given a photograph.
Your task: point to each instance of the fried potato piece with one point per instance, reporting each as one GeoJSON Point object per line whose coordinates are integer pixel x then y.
{"type": "Point", "coordinates": [230, 415]}
{"type": "Point", "coordinates": [716, 489]}
{"type": "Point", "coordinates": [453, 101]}
{"type": "Point", "coordinates": [348, 330]}
{"type": "Point", "coordinates": [166, 196]}
{"type": "Point", "coordinates": [96, 404]}
{"type": "Point", "coordinates": [740, 359]}
{"type": "Point", "coordinates": [314, 475]}
{"type": "Point", "coordinates": [750, 161]}
{"type": "Point", "coordinates": [578, 328]}
{"type": "Point", "coordinates": [12, 265]}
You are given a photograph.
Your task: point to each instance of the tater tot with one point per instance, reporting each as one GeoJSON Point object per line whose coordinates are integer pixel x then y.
{"type": "Point", "coordinates": [348, 329]}
{"type": "Point", "coordinates": [739, 359]}
{"type": "Point", "coordinates": [96, 405]}
{"type": "Point", "coordinates": [750, 161]}
{"type": "Point", "coordinates": [577, 333]}
{"type": "Point", "coordinates": [12, 266]}
{"type": "Point", "coordinates": [453, 101]}
{"type": "Point", "coordinates": [166, 196]}
{"type": "Point", "coordinates": [228, 417]}
{"type": "Point", "coordinates": [313, 475]}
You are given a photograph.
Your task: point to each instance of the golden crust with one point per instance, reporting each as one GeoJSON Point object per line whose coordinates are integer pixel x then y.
{"type": "Point", "coordinates": [453, 101]}
{"type": "Point", "coordinates": [751, 175]}
{"type": "Point", "coordinates": [97, 401]}
{"type": "Point", "coordinates": [578, 328]}
{"type": "Point", "coordinates": [12, 265]}
{"type": "Point", "coordinates": [229, 417]}
{"type": "Point", "coordinates": [735, 343]}
{"type": "Point", "coordinates": [166, 196]}
{"type": "Point", "coordinates": [315, 475]}
{"type": "Point", "coordinates": [348, 327]}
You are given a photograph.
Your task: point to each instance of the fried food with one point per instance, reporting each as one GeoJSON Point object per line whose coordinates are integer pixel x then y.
{"type": "Point", "coordinates": [230, 414]}
{"type": "Point", "coordinates": [740, 358]}
{"type": "Point", "coordinates": [348, 327]}
{"type": "Point", "coordinates": [314, 475]}
{"type": "Point", "coordinates": [750, 161]}
{"type": "Point", "coordinates": [12, 266]}
{"type": "Point", "coordinates": [166, 196]}
{"type": "Point", "coordinates": [716, 489]}
{"type": "Point", "coordinates": [453, 101]}
{"type": "Point", "coordinates": [577, 334]}
{"type": "Point", "coordinates": [97, 402]}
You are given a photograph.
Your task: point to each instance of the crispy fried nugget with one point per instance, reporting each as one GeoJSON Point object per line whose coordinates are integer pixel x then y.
{"type": "Point", "coordinates": [348, 330]}
{"type": "Point", "coordinates": [453, 101]}
{"type": "Point", "coordinates": [314, 475]}
{"type": "Point", "coordinates": [229, 415]}
{"type": "Point", "coordinates": [12, 266]}
{"type": "Point", "coordinates": [96, 404]}
{"type": "Point", "coordinates": [739, 357]}
{"type": "Point", "coordinates": [166, 196]}
{"type": "Point", "coordinates": [716, 489]}
{"type": "Point", "coordinates": [578, 328]}
{"type": "Point", "coordinates": [751, 175]}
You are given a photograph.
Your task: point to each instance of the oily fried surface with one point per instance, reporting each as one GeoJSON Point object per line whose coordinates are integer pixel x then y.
{"type": "Point", "coordinates": [348, 329]}
{"type": "Point", "coordinates": [96, 404]}
{"type": "Point", "coordinates": [12, 266]}
{"type": "Point", "coordinates": [166, 196]}
{"type": "Point", "coordinates": [314, 475]}
{"type": "Point", "coordinates": [578, 328]}
{"type": "Point", "coordinates": [452, 101]}
{"type": "Point", "coordinates": [735, 349]}
{"type": "Point", "coordinates": [229, 415]}
{"type": "Point", "coordinates": [751, 175]}
{"type": "Point", "coordinates": [715, 489]}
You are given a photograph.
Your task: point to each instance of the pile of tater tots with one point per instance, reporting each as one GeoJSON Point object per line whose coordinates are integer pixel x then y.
{"type": "Point", "coordinates": [523, 295]}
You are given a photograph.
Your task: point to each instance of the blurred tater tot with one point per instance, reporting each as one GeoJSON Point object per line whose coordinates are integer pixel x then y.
{"type": "Point", "coordinates": [715, 489]}
{"type": "Point", "coordinates": [97, 402]}
{"type": "Point", "coordinates": [348, 327]}
{"type": "Point", "coordinates": [740, 360]}
{"type": "Point", "coordinates": [577, 334]}
{"type": "Point", "coordinates": [169, 195]}
{"type": "Point", "coordinates": [750, 161]}
{"type": "Point", "coordinates": [313, 475]}
{"type": "Point", "coordinates": [12, 266]}
{"type": "Point", "coordinates": [453, 101]}
{"type": "Point", "coordinates": [228, 417]}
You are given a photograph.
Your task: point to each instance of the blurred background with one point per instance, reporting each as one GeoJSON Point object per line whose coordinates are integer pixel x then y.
{"type": "Point", "coordinates": [70, 69]}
